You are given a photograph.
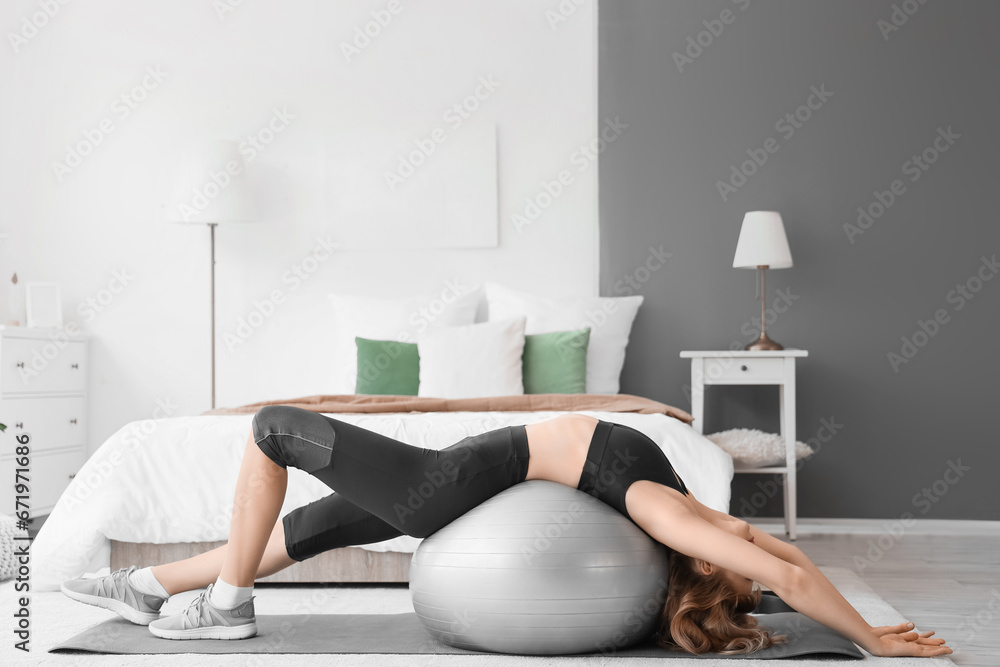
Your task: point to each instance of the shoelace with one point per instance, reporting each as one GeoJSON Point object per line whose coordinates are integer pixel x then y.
{"type": "Point", "coordinates": [195, 605]}
{"type": "Point", "coordinates": [114, 578]}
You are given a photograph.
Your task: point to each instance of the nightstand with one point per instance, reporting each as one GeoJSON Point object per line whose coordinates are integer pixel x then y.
{"type": "Point", "coordinates": [43, 392]}
{"type": "Point", "coordinates": [749, 367]}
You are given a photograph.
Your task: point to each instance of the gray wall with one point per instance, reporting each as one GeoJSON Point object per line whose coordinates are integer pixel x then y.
{"type": "Point", "coordinates": [900, 429]}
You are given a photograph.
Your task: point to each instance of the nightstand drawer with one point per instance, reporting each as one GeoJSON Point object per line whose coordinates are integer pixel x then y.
{"type": "Point", "coordinates": [52, 421]}
{"type": "Point", "coordinates": [37, 365]}
{"type": "Point", "coordinates": [746, 370]}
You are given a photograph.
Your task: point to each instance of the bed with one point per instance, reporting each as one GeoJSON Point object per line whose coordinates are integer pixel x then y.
{"type": "Point", "coordinates": [161, 490]}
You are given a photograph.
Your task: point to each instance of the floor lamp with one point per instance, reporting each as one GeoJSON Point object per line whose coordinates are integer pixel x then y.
{"type": "Point", "coordinates": [209, 187]}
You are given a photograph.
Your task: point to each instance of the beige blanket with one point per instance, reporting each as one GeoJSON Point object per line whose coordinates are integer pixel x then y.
{"type": "Point", "coordinates": [519, 403]}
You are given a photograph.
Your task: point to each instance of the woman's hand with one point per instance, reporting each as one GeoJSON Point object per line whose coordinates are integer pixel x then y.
{"type": "Point", "coordinates": [895, 641]}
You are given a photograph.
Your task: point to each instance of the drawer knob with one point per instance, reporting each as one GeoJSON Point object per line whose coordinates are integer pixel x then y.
{"type": "Point", "coordinates": [20, 364]}
{"type": "Point", "coordinates": [74, 365]}
{"type": "Point", "coordinates": [743, 368]}
{"type": "Point", "coordinates": [72, 421]}
{"type": "Point", "coordinates": [19, 425]}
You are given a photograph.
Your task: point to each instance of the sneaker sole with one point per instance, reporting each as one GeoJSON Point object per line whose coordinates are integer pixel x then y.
{"type": "Point", "coordinates": [214, 632]}
{"type": "Point", "coordinates": [121, 608]}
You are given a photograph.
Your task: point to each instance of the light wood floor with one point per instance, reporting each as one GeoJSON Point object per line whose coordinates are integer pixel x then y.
{"type": "Point", "coordinates": [940, 582]}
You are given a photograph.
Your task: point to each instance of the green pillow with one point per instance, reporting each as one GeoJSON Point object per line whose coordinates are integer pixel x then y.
{"type": "Point", "coordinates": [387, 367]}
{"type": "Point", "coordinates": [556, 363]}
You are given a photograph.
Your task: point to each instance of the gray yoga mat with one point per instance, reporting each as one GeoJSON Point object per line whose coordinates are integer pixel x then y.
{"type": "Point", "coordinates": [403, 634]}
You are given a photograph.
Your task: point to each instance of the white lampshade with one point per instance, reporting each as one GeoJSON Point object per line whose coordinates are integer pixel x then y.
{"type": "Point", "coordinates": [762, 242]}
{"type": "Point", "coordinates": [210, 185]}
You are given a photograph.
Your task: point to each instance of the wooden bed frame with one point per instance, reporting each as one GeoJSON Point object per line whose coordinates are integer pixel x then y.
{"type": "Point", "coordinates": [347, 565]}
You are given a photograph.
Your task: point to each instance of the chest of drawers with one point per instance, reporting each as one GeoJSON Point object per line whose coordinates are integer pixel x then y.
{"type": "Point", "coordinates": [43, 394]}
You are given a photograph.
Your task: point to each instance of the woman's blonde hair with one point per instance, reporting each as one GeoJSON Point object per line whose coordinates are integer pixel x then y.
{"type": "Point", "coordinates": [703, 613]}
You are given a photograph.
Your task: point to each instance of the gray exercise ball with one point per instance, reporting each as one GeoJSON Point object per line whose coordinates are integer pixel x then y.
{"type": "Point", "coordinates": [540, 569]}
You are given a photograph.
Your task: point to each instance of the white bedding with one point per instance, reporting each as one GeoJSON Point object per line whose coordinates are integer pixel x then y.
{"type": "Point", "coordinates": [173, 480]}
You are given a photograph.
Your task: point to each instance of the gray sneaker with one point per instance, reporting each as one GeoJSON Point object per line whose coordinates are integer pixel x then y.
{"type": "Point", "coordinates": [114, 592]}
{"type": "Point", "coordinates": [201, 620]}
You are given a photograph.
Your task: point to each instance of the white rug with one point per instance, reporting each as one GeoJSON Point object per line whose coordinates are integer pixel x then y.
{"type": "Point", "coordinates": [56, 618]}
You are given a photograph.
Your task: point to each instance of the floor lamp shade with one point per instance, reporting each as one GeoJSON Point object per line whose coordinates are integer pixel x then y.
{"type": "Point", "coordinates": [210, 185]}
{"type": "Point", "coordinates": [762, 242]}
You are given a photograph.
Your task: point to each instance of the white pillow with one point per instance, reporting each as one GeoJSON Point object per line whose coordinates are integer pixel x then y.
{"type": "Point", "coordinates": [609, 318]}
{"type": "Point", "coordinates": [752, 448]}
{"type": "Point", "coordinates": [401, 320]}
{"type": "Point", "coordinates": [472, 361]}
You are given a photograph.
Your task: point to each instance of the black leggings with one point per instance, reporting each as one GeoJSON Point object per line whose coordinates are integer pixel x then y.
{"type": "Point", "coordinates": [384, 488]}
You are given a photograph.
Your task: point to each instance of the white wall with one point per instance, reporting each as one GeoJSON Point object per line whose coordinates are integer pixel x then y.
{"type": "Point", "coordinates": [223, 77]}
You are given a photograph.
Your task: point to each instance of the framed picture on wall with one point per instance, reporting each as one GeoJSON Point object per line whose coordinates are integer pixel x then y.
{"type": "Point", "coordinates": [43, 305]}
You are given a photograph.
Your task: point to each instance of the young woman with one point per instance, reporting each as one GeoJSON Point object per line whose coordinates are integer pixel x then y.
{"type": "Point", "coordinates": [715, 559]}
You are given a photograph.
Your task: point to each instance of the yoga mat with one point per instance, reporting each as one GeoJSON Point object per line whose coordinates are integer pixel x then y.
{"type": "Point", "coordinates": [403, 634]}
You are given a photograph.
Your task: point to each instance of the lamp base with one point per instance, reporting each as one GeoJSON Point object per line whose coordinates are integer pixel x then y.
{"type": "Point", "coordinates": [764, 343]}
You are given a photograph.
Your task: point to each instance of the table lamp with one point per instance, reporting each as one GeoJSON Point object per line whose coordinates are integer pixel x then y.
{"type": "Point", "coordinates": [210, 187]}
{"type": "Point", "coordinates": [762, 246]}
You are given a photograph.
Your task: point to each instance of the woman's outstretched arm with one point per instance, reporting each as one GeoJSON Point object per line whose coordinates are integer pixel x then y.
{"type": "Point", "coordinates": [663, 513]}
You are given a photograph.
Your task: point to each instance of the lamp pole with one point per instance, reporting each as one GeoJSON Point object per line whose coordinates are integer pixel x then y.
{"type": "Point", "coordinates": [211, 227]}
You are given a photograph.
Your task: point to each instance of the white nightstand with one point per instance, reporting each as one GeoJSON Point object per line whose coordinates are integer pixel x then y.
{"type": "Point", "coordinates": [753, 367]}
{"type": "Point", "coordinates": [43, 392]}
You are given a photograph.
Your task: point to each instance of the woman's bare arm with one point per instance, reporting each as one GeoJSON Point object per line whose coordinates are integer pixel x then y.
{"type": "Point", "coordinates": [772, 545]}
{"type": "Point", "coordinates": [663, 513]}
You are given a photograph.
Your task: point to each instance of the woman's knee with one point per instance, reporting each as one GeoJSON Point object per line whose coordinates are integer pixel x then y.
{"type": "Point", "coordinates": [294, 437]}
{"type": "Point", "coordinates": [267, 422]}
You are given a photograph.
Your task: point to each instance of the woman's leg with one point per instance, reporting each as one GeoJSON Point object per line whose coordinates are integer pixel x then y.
{"type": "Point", "coordinates": [328, 523]}
{"type": "Point", "coordinates": [260, 491]}
{"type": "Point", "coordinates": [413, 490]}
{"type": "Point", "coordinates": [201, 570]}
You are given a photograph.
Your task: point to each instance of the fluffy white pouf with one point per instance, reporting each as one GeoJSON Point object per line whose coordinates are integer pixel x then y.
{"type": "Point", "coordinates": [8, 531]}
{"type": "Point", "coordinates": [752, 448]}
{"type": "Point", "coordinates": [540, 568]}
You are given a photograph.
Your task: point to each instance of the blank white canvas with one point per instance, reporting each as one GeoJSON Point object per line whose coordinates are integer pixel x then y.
{"type": "Point", "coordinates": [449, 200]}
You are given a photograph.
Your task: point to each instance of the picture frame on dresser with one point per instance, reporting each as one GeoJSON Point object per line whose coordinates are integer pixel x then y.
{"type": "Point", "coordinates": [43, 395]}
{"type": "Point", "coordinates": [43, 305]}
